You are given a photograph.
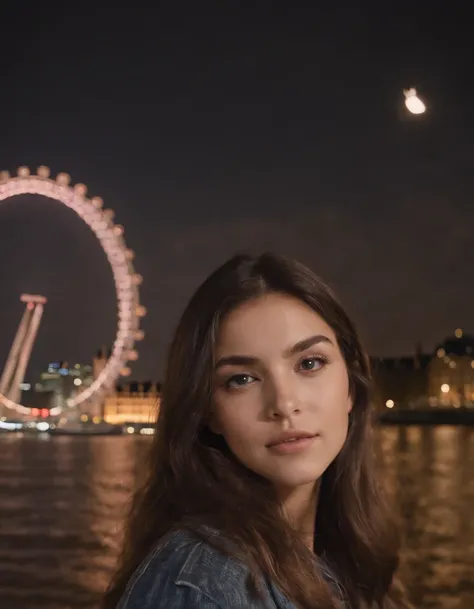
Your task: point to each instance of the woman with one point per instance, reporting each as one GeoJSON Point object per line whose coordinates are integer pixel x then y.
{"type": "Point", "coordinates": [261, 490]}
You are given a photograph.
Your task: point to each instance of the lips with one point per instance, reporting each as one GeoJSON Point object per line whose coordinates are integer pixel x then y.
{"type": "Point", "coordinates": [290, 436]}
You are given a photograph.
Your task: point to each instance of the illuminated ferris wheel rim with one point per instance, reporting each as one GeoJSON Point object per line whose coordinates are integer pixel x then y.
{"type": "Point", "coordinates": [126, 280]}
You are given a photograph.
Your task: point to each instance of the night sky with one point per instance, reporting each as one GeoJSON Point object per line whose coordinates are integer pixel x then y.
{"type": "Point", "coordinates": [253, 128]}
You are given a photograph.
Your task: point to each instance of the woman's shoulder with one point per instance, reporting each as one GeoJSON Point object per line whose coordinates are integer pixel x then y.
{"type": "Point", "coordinates": [185, 570]}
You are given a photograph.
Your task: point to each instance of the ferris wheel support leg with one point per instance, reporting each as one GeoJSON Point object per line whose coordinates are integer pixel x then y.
{"type": "Point", "coordinates": [9, 369]}
{"type": "Point", "coordinates": [26, 352]}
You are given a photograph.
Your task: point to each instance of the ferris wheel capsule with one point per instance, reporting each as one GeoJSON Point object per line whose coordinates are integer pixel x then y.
{"type": "Point", "coordinates": [97, 202]}
{"type": "Point", "coordinates": [23, 172]}
{"type": "Point", "coordinates": [63, 179]}
{"type": "Point", "coordinates": [80, 189]}
{"type": "Point", "coordinates": [43, 172]}
{"type": "Point", "coordinates": [140, 311]}
{"type": "Point", "coordinates": [4, 176]}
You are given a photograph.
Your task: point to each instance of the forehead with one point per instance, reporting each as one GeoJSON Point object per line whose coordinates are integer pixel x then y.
{"type": "Point", "coordinates": [272, 321]}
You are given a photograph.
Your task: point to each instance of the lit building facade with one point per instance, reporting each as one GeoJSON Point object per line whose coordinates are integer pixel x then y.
{"type": "Point", "coordinates": [56, 385]}
{"type": "Point", "coordinates": [451, 372]}
{"type": "Point", "coordinates": [443, 379]}
{"type": "Point", "coordinates": [401, 382]}
{"type": "Point", "coordinates": [133, 403]}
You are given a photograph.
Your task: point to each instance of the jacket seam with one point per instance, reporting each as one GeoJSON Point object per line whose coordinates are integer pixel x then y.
{"type": "Point", "coordinates": [144, 566]}
{"type": "Point", "coordinates": [196, 546]}
{"type": "Point", "coordinates": [186, 584]}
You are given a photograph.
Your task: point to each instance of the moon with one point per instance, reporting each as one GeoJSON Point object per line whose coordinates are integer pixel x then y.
{"type": "Point", "coordinates": [413, 103]}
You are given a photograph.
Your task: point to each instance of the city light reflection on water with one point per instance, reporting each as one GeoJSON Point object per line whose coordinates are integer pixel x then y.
{"type": "Point", "coordinates": [430, 474]}
{"type": "Point", "coordinates": [63, 500]}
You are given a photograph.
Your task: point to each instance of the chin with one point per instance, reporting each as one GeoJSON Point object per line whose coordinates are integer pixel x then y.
{"type": "Point", "coordinates": [296, 477]}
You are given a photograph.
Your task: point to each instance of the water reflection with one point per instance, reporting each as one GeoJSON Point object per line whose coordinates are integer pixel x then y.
{"type": "Point", "coordinates": [429, 472]}
{"type": "Point", "coordinates": [63, 501]}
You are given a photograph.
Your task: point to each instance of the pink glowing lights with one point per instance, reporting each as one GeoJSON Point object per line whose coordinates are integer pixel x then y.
{"type": "Point", "coordinates": [120, 258]}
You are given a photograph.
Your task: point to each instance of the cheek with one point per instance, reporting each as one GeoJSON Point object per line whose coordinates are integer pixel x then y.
{"type": "Point", "coordinates": [231, 420]}
{"type": "Point", "coordinates": [239, 433]}
{"type": "Point", "coordinates": [237, 424]}
{"type": "Point", "coordinates": [339, 423]}
{"type": "Point", "coordinates": [334, 407]}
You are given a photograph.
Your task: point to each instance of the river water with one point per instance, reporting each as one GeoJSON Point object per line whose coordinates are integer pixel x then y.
{"type": "Point", "coordinates": [62, 501]}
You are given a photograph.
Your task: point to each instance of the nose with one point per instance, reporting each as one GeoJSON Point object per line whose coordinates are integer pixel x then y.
{"type": "Point", "coordinates": [282, 402]}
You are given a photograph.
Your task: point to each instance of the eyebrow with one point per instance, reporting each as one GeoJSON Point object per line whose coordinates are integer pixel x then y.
{"type": "Point", "coordinates": [299, 347]}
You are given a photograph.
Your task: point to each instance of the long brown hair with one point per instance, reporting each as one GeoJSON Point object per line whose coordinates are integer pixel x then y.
{"type": "Point", "coordinates": [193, 479]}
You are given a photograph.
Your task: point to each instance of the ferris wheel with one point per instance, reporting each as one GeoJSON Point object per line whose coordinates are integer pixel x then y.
{"type": "Point", "coordinates": [126, 280]}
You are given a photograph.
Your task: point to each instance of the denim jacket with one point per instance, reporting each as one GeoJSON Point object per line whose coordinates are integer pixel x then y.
{"type": "Point", "coordinates": [184, 572]}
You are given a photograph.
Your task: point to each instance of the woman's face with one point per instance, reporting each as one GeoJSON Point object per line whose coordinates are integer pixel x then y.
{"type": "Point", "coordinates": [280, 390]}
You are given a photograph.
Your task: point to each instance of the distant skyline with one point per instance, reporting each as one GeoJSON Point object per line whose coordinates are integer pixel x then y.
{"type": "Point", "coordinates": [208, 135]}
{"type": "Point", "coordinates": [417, 350]}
